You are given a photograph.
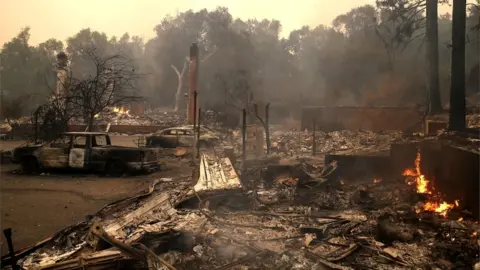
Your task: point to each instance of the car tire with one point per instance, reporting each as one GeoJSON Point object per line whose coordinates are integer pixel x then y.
{"type": "Point", "coordinates": [29, 165]}
{"type": "Point", "coordinates": [114, 168]}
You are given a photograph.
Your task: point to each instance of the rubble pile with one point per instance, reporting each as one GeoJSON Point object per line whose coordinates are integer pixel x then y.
{"type": "Point", "coordinates": [122, 119]}
{"type": "Point", "coordinates": [289, 216]}
{"type": "Point", "coordinates": [299, 143]}
{"type": "Point", "coordinates": [472, 119]}
{"type": "Point", "coordinates": [169, 118]}
{"type": "Point", "coordinates": [120, 116]}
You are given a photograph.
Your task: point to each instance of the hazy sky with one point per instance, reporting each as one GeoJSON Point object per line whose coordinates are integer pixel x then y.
{"type": "Point", "coordinates": [63, 18]}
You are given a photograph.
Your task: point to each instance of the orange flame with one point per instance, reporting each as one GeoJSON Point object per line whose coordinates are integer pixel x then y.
{"type": "Point", "coordinates": [440, 208]}
{"type": "Point", "coordinates": [120, 110]}
{"type": "Point", "coordinates": [420, 180]}
{"type": "Point", "coordinates": [422, 186]}
{"type": "Point", "coordinates": [376, 180]}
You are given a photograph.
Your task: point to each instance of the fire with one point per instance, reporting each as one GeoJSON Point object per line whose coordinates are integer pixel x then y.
{"type": "Point", "coordinates": [376, 180]}
{"type": "Point", "coordinates": [341, 182]}
{"type": "Point", "coordinates": [440, 208]}
{"type": "Point", "coordinates": [422, 186]}
{"type": "Point", "coordinates": [120, 110]}
{"type": "Point", "coordinates": [419, 178]}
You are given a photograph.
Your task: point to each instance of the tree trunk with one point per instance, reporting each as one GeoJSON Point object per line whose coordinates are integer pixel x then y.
{"type": "Point", "coordinates": [178, 94]}
{"type": "Point", "coordinates": [457, 88]}
{"type": "Point", "coordinates": [91, 122]}
{"type": "Point", "coordinates": [435, 103]}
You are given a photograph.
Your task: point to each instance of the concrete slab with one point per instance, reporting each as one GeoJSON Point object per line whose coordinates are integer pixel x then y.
{"type": "Point", "coordinates": [355, 166]}
{"type": "Point", "coordinates": [460, 179]}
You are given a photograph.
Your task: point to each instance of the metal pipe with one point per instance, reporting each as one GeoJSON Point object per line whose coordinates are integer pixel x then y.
{"type": "Point", "coordinates": [194, 110]}
{"type": "Point", "coordinates": [314, 143]}
{"type": "Point", "coordinates": [192, 80]}
{"type": "Point", "coordinates": [35, 134]}
{"type": "Point", "coordinates": [267, 127]}
{"type": "Point", "coordinates": [198, 131]}
{"type": "Point", "coordinates": [244, 136]}
{"type": "Point", "coordinates": [8, 235]}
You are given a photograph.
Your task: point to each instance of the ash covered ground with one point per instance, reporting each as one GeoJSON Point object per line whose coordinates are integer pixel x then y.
{"type": "Point", "coordinates": [290, 212]}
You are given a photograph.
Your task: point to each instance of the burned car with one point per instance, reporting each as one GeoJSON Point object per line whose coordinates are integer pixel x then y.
{"type": "Point", "coordinates": [181, 136]}
{"type": "Point", "coordinates": [88, 151]}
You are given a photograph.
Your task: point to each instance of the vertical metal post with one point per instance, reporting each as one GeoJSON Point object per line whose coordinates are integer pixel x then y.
{"type": "Point", "coordinates": [11, 250]}
{"type": "Point", "coordinates": [35, 133]}
{"type": "Point", "coordinates": [267, 127]}
{"type": "Point", "coordinates": [192, 81]}
{"type": "Point", "coordinates": [198, 131]}
{"type": "Point", "coordinates": [314, 143]}
{"type": "Point", "coordinates": [195, 142]}
{"type": "Point", "coordinates": [194, 109]}
{"type": "Point", "coordinates": [244, 137]}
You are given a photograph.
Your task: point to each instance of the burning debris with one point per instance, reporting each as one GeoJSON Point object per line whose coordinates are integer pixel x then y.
{"type": "Point", "coordinates": [284, 215]}
{"type": "Point", "coordinates": [434, 203]}
{"type": "Point", "coordinates": [278, 212]}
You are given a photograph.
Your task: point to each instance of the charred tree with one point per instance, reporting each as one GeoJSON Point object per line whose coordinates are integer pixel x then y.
{"type": "Point", "coordinates": [434, 100]}
{"type": "Point", "coordinates": [457, 88]}
{"type": "Point", "coordinates": [112, 83]}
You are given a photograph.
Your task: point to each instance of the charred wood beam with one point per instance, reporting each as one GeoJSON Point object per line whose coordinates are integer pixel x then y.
{"type": "Point", "coordinates": [243, 260]}
{"type": "Point", "coordinates": [143, 254]}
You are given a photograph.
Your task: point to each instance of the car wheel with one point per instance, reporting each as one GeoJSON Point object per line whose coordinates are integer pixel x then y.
{"type": "Point", "coordinates": [114, 168]}
{"type": "Point", "coordinates": [29, 165]}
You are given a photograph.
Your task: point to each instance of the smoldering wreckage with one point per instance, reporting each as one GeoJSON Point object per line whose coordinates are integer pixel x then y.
{"type": "Point", "coordinates": [290, 209]}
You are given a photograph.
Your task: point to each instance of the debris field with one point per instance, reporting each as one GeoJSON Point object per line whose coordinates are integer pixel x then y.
{"type": "Point", "coordinates": [288, 211]}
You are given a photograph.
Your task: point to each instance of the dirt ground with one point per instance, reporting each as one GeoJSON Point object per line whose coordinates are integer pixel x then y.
{"type": "Point", "coordinates": [35, 207]}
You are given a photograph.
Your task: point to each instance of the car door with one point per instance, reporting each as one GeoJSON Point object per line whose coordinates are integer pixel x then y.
{"type": "Point", "coordinates": [186, 137]}
{"type": "Point", "coordinates": [97, 154]}
{"type": "Point", "coordinates": [55, 154]}
{"type": "Point", "coordinates": [77, 156]}
{"type": "Point", "coordinates": [172, 136]}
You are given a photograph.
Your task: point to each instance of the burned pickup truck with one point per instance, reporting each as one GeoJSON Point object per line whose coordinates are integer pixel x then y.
{"type": "Point", "coordinates": [85, 150]}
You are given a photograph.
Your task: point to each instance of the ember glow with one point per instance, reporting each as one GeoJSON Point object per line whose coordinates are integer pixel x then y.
{"type": "Point", "coordinates": [422, 186]}
{"type": "Point", "coordinates": [120, 110]}
{"type": "Point", "coordinates": [377, 180]}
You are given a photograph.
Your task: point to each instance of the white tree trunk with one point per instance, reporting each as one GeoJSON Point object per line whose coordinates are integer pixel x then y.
{"type": "Point", "coordinates": [180, 74]}
{"type": "Point", "coordinates": [178, 94]}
